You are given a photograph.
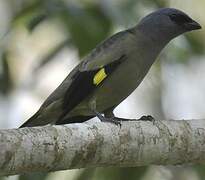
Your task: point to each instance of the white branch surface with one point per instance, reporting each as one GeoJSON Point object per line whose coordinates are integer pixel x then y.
{"type": "Point", "coordinates": [138, 143]}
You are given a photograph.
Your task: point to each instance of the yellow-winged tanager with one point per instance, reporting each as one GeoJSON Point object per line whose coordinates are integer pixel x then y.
{"type": "Point", "coordinates": [112, 71]}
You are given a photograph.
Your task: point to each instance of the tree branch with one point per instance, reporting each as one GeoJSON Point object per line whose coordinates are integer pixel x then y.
{"type": "Point", "coordinates": [138, 143]}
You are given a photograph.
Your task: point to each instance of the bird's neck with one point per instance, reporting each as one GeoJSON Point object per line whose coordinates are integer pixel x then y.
{"type": "Point", "coordinates": [153, 36]}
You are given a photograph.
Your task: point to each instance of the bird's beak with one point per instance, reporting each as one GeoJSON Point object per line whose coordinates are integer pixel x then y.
{"type": "Point", "coordinates": [192, 26]}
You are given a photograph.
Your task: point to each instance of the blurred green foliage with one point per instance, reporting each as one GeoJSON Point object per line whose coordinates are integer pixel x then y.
{"type": "Point", "coordinates": [111, 173]}
{"type": "Point", "coordinates": [200, 169]}
{"type": "Point", "coordinates": [33, 176]}
{"type": "Point", "coordinates": [5, 77]}
{"type": "Point", "coordinates": [87, 27]}
{"type": "Point", "coordinates": [197, 46]}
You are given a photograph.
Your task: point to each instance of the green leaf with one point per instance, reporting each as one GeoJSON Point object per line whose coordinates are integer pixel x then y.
{"type": "Point", "coordinates": [35, 21]}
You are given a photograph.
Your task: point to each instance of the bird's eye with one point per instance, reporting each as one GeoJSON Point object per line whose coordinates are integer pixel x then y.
{"type": "Point", "coordinates": [180, 18]}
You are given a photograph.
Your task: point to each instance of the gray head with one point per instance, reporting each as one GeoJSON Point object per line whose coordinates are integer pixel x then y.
{"type": "Point", "coordinates": [167, 23]}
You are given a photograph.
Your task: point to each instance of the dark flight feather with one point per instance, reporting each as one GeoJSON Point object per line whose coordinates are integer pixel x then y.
{"type": "Point", "coordinates": [82, 85]}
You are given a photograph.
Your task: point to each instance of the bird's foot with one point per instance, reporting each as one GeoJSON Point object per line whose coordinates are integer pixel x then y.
{"type": "Point", "coordinates": [147, 118]}
{"type": "Point", "coordinates": [143, 118]}
{"type": "Point", "coordinates": [124, 119]}
{"type": "Point", "coordinates": [113, 120]}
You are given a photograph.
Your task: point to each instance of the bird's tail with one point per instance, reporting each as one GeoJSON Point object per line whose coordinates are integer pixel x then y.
{"type": "Point", "coordinates": [32, 121]}
{"type": "Point", "coordinates": [75, 119]}
{"type": "Point", "coordinates": [36, 120]}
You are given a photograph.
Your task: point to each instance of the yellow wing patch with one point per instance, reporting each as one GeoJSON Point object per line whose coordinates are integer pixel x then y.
{"type": "Point", "coordinates": [99, 76]}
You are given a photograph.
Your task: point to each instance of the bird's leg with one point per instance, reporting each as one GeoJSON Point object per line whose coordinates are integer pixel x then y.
{"type": "Point", "coordinates": [110, 117]}
{"type": "Point", "coordinates": [101, 117]}
{"type": "Point", "coordinates": [107, 119]}
{"type": "Point", "coordinates": [110, 114]}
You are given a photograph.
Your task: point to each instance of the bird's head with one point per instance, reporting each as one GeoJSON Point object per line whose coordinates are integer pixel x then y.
{"type": "Point", "coordinates": [167, 23]}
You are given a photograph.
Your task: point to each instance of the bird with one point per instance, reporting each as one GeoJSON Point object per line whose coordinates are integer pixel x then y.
{"type": "Point", "coordinates": [112, 71]}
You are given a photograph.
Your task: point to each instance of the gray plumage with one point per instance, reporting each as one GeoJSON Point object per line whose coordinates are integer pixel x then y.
{"type": "Point", "coordinates": [120, 64]}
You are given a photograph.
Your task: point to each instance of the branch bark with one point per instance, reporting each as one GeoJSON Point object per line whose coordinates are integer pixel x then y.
{"type": "Point", "coordinates": [138, 143]}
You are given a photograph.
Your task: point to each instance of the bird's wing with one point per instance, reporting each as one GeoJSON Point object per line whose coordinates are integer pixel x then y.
{"type": "Point", "coordinates": [95, 68]}
{"type": "Point", "coordinates": [85, 82]}
{"type": "Point", "coordinates": [89, 74]}
{"type": "Point", "coordinates": [105, 53]}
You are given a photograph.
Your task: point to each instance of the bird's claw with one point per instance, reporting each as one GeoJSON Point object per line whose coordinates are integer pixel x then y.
{"type": "Point", "coordinates": [112, 120]}
{"type": "Point", "coordinates": [147, 118]}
